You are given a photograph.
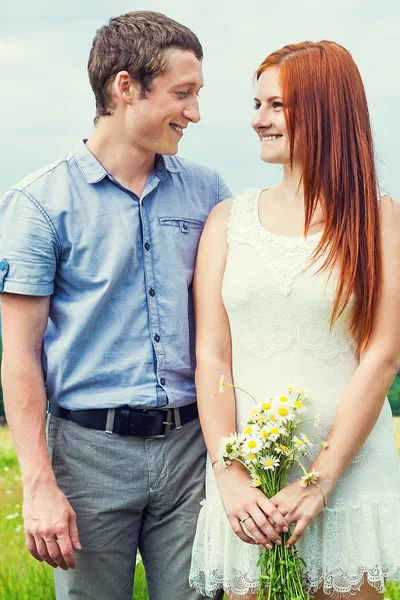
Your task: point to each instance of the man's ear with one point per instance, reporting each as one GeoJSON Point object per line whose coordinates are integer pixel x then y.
{"type": "Point", "coordinates": [125, 88]}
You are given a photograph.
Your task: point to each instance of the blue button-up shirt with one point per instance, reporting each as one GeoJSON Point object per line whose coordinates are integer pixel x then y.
{"type": "Point", "coordinates": [119, 271]}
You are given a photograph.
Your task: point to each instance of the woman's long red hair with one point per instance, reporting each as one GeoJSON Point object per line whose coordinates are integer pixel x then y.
{"type": "Point", "coordinates": [328, 121]}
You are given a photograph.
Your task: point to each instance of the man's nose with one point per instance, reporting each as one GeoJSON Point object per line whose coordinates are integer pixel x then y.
{"type": "Point", "coordinates": [192, 111]}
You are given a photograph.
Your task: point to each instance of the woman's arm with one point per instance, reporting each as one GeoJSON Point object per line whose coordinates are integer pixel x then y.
{"type": "Point", "coordinates": [365, 393]}
{"type": "Point", "coordinates": [217, 412]}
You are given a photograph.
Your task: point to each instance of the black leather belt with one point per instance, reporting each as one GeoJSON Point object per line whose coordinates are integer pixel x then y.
{"type": "Point", "coordinates": [154, 423]}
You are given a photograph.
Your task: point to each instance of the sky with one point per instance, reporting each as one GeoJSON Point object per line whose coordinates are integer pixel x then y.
{"type": "Point", "coordinates": [46, 104]}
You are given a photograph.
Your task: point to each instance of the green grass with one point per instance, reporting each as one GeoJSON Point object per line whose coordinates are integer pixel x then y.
{"type": "Point", "coordinates": [21, 577]}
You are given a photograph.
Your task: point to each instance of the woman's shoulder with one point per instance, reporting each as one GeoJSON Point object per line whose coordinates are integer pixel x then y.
{"type": "Point", "coordinates": [390, 215]}
{"type": "Point", "coordinates": [226, 213]}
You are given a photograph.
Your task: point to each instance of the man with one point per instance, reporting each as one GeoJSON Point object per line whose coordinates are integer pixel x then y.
{"type": "Point", "coordinates": [99, 250]}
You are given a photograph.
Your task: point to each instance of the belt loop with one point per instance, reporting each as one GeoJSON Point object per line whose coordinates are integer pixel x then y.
{"type": "Point", "coordinates": [110, 421]}
{"type": "Point", "coordinates": [177, 418]}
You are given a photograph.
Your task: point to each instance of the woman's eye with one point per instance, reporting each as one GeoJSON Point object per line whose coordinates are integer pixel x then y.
{"type": "Point", "coordinates": [256, 105]}
{"type": "Point", "coordinates": [277, 105]}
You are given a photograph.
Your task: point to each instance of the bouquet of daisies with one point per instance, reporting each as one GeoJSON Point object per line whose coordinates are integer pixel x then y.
{"type": "Point", "coordinates": [268, 447]}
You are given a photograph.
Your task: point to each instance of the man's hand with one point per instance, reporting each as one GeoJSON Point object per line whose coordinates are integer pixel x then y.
{"type": "Point", "coordinates": [248, 507]}
{"type": "Point", "coordinates": [50, 526]}
{"type": "Point", "coordinates": [299, 505]}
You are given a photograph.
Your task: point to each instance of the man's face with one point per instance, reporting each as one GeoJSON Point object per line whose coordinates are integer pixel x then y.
{"type": "Point", "coordinates": [159, 120]}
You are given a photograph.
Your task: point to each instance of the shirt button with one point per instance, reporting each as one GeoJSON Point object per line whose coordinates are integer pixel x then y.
{"type": "Point", "coordinates": [152, 292]}
{"type": "Point", "coordinates": [147, 246]}
{"type": "Point", "coordinates": [162, 381]}
{"type": "Point", "coordinates": [157, 338]}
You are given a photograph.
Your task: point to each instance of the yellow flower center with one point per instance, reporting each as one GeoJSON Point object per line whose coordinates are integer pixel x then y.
{"type": "Point", "coordinates": [269, 463]}
{"type": "Point", "coordinates": [274, 431]}
{"type": "Point", "coordinates": [254, 412]}
{"type": "Point", "coordinates": [252, 444]}
{"type": "Point", "coordinates": [299, 443]}
{"type": "Point", "coordinates": [284, 448]}
{"type": "Point", "coordinates": [252, 456]}
{"type": "Point", "coordinates": [264, 434]}
{"type": "Point", "coordinates": [257, 482]}
{"type": "Point", "coordinates": [266, 406]}
{"type": "Point", "coordinates": [283, 399]}
{"type": "Point", "coordinates": [273, 417]}
{"type": "Point", "coordinates": [248, 430]}
{"type": "Point", "coordinates": [298, 404]}
{"type": "Point", "coordinates": [283, 412]}
{"type": "Point", "coordinates": [291, 389]}
{"type": "Point", "coordinates": [260, 419]}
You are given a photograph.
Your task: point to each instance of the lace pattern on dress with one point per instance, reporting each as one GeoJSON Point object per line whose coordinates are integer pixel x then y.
{"type": "Point", "coordinates": [329, 547]}
{"type": "Point", "coordinates": [285, 257]}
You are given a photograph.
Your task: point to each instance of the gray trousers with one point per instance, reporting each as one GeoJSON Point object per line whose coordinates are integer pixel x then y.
{"type": "Point", "coordinates": [129, 493]}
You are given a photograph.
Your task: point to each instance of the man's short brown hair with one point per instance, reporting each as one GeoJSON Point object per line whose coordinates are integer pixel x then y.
{"type": "Point", "coordinates": [137, 43]}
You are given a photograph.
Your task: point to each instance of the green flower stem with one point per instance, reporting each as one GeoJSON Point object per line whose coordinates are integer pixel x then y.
{"type": "Point", "coordinates": [241, 389]}
{"type": "Point", "coordinates": [296, 458]}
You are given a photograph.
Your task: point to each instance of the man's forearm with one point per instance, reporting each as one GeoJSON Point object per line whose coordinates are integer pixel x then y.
{"type": "Point", "coordinates": [25, 406]}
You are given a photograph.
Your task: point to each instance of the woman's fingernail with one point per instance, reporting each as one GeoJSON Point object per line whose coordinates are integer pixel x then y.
{"type": "Point", "coordinates": [285, 529]}
{"type": "Point", "coordinates": [278, 541]}
{"type": "Point", "coordinates": [269, 546]}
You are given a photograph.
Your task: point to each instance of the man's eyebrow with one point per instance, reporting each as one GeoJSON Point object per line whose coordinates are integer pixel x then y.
{"type": "Point", "coordinates": [188, 83]}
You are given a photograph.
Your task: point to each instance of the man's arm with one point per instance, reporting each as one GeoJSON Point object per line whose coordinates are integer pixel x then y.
{"type": "Point", "coordinates": [50, 523]}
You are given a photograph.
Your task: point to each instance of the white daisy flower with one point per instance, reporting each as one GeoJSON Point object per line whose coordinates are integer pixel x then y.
{"type": "Point", "coordinates": [309, 478]}
{"type": "Point", "coordinates": [297, 443]}
{"type": "Point", "coordinates": [270, 463]}
{"type": "Point", "coordinates": [306, 440]}
{"type": "Point", "coordinates": [248, 431]}
{"type": "Point", "coordinates": [251, 458]}
{"type": "Point", "coordinates": [281, 449]}
{"type": "Point", "coordinates": [255, 481]}
{"type": "Point", "coordinates": [299, 407]}
{"type": "Point", "coordinates": [275, 432]}
{"type": "Point", "coordinates": [284, 413]}
{"type": "Point", "coordinates": [228, 449]}
{"type": "Point", "coordinates": [251, 445]}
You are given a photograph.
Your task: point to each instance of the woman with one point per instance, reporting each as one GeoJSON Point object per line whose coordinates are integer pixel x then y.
{"type": "Point", "coordinates": [308, 295]}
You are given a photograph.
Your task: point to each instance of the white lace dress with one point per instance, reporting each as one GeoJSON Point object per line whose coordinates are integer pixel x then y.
{"type": "Point", "coordinates": [279, 314]}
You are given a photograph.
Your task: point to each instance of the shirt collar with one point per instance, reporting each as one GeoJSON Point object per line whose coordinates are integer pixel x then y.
{"type": "Point", "coordinates": [94, 172]}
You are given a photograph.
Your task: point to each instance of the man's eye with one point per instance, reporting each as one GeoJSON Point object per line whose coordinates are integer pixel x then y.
{"type": "Point", "coordinates": [181, 94]}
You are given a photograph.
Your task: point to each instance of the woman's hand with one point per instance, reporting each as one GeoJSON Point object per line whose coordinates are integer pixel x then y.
{"type": "Point", "coordinates": [248, 507]}
{"type": "Point", "coordinates": [299, 505]}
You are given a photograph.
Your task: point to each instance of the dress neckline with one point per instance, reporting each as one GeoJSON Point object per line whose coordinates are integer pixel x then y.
{"type": "Point", "coordinates": [277, 236]}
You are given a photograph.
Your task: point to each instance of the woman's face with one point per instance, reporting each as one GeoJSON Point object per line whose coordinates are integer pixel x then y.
{"type": "Point", "coordinates": [269, 119]}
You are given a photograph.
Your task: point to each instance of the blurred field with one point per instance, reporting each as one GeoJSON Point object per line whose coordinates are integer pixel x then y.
{"type": "Point", "coordinates": [21, 577]}
{"type": "Point", "coordinates": [396, 425]}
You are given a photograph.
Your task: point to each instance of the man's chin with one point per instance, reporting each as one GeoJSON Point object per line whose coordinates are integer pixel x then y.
{"type": "Point", "coordinates": [171, 151]}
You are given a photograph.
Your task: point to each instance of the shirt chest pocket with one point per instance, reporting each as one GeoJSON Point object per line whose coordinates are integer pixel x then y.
{"type": "Point", "coordinates": [180, 239]}
{"type": "Point", "coordinates": [186, 226]}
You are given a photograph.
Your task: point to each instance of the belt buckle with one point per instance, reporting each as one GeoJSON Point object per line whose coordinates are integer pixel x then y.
{"type": "Point", "coordinates": [167, 425]}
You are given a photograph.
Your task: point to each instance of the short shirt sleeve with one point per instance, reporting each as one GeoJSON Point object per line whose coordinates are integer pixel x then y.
{"type": "Point", "coordinates": [223, 190]}
{"type": "Point", "coordinates": [29, 246]}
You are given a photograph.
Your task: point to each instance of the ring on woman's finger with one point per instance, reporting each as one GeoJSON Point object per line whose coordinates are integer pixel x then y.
{"type": "Point", "coordinates": [245, 519]}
